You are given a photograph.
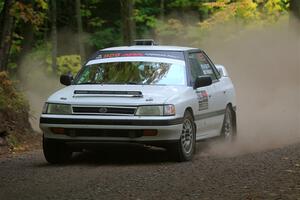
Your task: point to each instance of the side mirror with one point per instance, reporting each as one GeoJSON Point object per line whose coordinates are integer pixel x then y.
{"type": "Point", "coordinates": [202, 81]}
{"type": "Point", "coordinates": [66, 79]}
{"type": "Point", "coordinates": [222, 70]}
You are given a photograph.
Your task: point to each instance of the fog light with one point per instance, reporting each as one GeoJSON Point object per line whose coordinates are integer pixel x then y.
{"type": "Point", "coordinates": [150, 132]}
{"type": "Point", "coordinates": [58, 130]}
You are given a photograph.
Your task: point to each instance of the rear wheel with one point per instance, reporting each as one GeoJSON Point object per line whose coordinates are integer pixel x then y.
{"type": "Point", "coordinates": [184, 149]}
{"type": "Point", "coordinates": [55, 152]}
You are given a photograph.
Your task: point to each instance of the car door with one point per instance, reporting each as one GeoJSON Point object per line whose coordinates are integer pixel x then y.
{"type": "Point", "coordinates": [218, 99]}
{"type": "Point", "coordinates": [211, 98]}
{"type": "Point", "coordinates": [202, 97]}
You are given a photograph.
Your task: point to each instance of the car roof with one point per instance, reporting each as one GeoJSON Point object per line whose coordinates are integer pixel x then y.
{"type": "Point", "coordinates": [149, 47]}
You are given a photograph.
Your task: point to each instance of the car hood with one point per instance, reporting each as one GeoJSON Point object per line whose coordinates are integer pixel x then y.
{"type": "Point", "coordinates": [116, 94]}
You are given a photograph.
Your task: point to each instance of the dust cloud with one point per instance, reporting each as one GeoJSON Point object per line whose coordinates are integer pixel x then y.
{"type": "Point", "coordinates": [37, 84]}
{"type": "Point", "coordinates": [264, 64]}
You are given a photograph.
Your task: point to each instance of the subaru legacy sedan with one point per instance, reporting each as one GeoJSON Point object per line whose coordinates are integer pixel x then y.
{"type": "Point", "coordinates": [165, 96]}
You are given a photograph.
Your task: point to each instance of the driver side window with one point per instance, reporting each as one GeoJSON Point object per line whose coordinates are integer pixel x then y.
{"type": "Point", "coordinates": [195, 68]}
{"type": "Point", "coordinates": [200, 66]}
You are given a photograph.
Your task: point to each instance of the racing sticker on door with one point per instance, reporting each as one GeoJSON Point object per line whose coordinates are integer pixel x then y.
{"type": "Point", "coordinates": [202, 99]}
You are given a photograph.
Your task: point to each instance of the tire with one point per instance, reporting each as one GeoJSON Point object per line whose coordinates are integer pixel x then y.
{"type": "Point", "coordinates": [55, 152]}
{"type": "Point", "coordinates": [184, 149]}
{"type": "Point", "coordinates": [228, 132]}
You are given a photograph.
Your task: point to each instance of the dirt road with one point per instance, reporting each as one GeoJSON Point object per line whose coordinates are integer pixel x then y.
{"type": "Point", "coordinates": [141, 173]}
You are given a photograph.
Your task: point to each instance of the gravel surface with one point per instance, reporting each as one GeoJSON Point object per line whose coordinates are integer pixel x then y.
{"type": "Point", "coordinates": [143, 173]}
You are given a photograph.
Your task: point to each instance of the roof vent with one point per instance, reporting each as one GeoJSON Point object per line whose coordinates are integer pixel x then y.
{"type": "Point", "coordinates": [145, 42]}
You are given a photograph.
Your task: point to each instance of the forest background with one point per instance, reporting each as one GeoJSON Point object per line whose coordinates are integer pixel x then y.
{"type": "Point", "coordinates": [42, 39]}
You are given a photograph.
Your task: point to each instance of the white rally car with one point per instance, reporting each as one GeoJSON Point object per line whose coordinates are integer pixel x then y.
{"type": "Point", "coordinates": [156, 95]}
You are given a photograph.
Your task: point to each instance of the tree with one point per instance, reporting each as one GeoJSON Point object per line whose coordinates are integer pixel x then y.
{"type": "Point", "coordinates": [295, 20]}
{"type": "Point", "coordinates": [79, 29]}
{"type": "Point", "coordinates": [128, 24]}
{"type": "Point", "coordinates": [53, 34]}
{"type": "Point", "coordinates": [162, 10]}
{"type": "Point", "coordinates": [7, 28]}
{"type": "Point", "coordinates": [295, 7]}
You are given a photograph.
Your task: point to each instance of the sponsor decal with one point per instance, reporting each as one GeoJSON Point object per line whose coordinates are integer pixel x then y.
{"type": "Point", "coordinates": [114, 55]}
{"type": "Point", "coordinates": [202, 99]}
{"type": "Point", "coordinates": [207, 70]}
{"type": "Point", "coordinates": [160, 54]}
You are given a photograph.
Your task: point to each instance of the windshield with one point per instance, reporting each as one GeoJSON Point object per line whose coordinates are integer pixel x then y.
{"type": "Point", "coordinates": [136, 72]}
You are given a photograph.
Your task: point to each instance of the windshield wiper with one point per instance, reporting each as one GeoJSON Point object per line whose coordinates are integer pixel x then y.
{"type": "Point", "coordinates": [132, 83]}
{"type": "Point", "coordinates": [110, 83]}
{"type": "Point", "coordinates": [121, 83]}
{"type": "Point", "coordinates": [86, 83]}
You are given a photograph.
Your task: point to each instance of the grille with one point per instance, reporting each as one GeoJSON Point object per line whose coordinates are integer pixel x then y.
{"type": "Point", "coordinates": [104, 133]}
{"type": "Point", "coordinates": [102, 110]}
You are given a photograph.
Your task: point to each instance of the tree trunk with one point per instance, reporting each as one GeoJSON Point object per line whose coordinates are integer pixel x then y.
{"type": "Point", "coordinates": [128, 24]}
{"type": "Point", "coordinates": [295, 8]}
{"type": "Point", "coordinates": [162, 10]}
{"type": "Point", "coordinates": [295, 17]}
{"type": "Point", "coordinates": [79, 29]}
{"type": "Point", "coordinates": [53, 35]}
{"type": "Point", "coordinates": [47, 24]}
{"type": "Point", "coordinates": [7, 28]}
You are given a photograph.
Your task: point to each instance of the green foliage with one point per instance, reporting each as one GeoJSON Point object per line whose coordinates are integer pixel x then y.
{"type": "Point", "coordinates": [105, 38]}
{"type": "Point", "coordinates": [25, 13]}
{"type": "Point", "coordinates": [41, 57]}
{"type": "Point", "coordinates": [68, 63]}
{"type": "Point", "coordinates": [181, 3]}
{"type": "Point", "coordinates": [16, 44]}
{"type": "Point", "coordinates": [226, 19]}
{"type": "Point", "coordinates": [101, 23]}
{"type": "Point", "coordinates": [13, 141]}
{"type": "Point", "coordinates": [143, 17]}
{"type": "Point", "coordinates": [30, 13]}
{"type": "Point", "coordinates": [273, 9]}
{"type": "Point", "coordinates": [246, 10]}
{"type": "Point", "coordinates": [10, 98]}
{"type": "Point", "coordinates": [1, 5]}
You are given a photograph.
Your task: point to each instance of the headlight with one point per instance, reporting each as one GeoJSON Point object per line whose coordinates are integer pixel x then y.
{"type": "Point", "coordinates": [58, 109]}
{"type": "Point", "coordinates": [44, 111]}
{"type": "Point", "coordinates": [163, 110]}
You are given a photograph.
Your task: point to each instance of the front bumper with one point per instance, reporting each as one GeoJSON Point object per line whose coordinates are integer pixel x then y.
{"type": "Point", "coordinates": [168, 128]}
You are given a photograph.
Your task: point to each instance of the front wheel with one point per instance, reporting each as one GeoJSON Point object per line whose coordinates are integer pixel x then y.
{"type": "Point", "coordinates": [55, 152]}
{"type": "Point", "coordinates": [184, 149]}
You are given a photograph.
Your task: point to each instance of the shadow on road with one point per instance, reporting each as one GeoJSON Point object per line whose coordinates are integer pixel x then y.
{"type": "Point", "coordinates": [121, 155]}
{"type": "Point", "coordinates": [124, 155]}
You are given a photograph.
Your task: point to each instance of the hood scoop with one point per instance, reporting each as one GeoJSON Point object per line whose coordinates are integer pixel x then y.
{"type": "Point", "coordinates": [107, 93]}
